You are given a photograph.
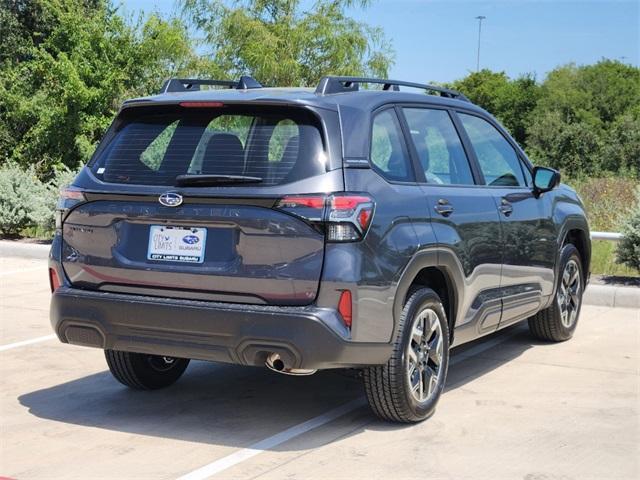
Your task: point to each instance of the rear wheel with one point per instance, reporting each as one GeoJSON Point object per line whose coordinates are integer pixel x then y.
{"type": "Point", "coordinates": [557, 322]}
{"type": "Point", "coordinates": [143, 371]}
{"type": "Point", "coordinates": [408, 387]}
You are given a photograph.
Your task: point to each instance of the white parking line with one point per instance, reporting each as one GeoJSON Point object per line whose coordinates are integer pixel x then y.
{"type": "Point", "coordinates": [246, 453]}
{"type": "Point", "coordinates": [240, 456]}
{"type": "Point", "coordinates": [9, 346]}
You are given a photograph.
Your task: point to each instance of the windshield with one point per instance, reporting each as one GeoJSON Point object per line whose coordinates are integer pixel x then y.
{"type": "Point", "coordinates": [154, 145]}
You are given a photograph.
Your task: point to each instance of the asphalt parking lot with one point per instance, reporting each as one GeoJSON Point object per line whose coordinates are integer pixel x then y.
{"type": "Point", "coordinates": [513, 409]}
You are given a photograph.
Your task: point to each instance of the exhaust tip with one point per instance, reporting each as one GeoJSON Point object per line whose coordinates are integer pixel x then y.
{"type": "Point", "coordinates": [278, 365]}
{"type": "Point", "coordinates": [275, 363]}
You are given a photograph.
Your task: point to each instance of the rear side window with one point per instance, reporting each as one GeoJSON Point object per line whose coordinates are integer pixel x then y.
{"type": "Point", "coordinates": [388, 152]}
{"type": "Point", "coordinates": [153, 145]}
{"type": "Point", "coordinates": [439, 147]}
{"type": "Point", "coordinates": [497, 159]}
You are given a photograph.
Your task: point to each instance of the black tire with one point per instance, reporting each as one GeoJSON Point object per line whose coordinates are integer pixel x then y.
{"type": "Point", "coordinates": [144, 372]}
{"type": "Point", "coordinates": [388, 387]}
{"type": "Point", "coordinates": [551, 324]}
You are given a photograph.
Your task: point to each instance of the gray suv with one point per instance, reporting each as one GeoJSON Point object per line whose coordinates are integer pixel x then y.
{"type": "Point", "coordinates": [346, 227]}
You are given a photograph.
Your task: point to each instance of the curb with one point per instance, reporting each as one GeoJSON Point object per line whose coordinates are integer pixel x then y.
{"type": "Point", "coordinates": [601, 295]}
{"type": "Point", "coordinates": [9, 248]}
{"type": "Point", "coordinates": [612, 296]}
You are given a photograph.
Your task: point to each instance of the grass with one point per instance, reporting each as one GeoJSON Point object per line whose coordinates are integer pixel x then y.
{"type": "Point", "coordinates": [603, 260]}
{"type": "Point", "coordinates": [37, 233]}
{"type": "Point", "coordinates": [607, 201]}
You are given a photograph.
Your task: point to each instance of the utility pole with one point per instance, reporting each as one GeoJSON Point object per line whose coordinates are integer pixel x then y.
{"type": "Point", "coordinates": [479, 18]}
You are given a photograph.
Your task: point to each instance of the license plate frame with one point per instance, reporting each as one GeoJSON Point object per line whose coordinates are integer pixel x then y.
{"type": "Point", "coordinates": [168, 243]}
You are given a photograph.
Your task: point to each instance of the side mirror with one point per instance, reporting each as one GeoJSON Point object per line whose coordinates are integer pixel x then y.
{"type": "Point", "coordinates": [545, 179]}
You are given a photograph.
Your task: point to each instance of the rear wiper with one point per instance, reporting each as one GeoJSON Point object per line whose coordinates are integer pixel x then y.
{"type": "Point", "coordinates": [213, 180]}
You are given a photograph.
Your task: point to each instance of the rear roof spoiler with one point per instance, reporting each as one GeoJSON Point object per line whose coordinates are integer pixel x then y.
{"type": "Point", "coordinates": [331, 85]}
{"type": "Point", "coordinates": [193, 84]}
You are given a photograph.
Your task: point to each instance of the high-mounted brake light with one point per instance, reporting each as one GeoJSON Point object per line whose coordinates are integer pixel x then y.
{"type": "Point", "coordinates": [346, 216]}
{"type": "Point", "coordinates": [202, 104]}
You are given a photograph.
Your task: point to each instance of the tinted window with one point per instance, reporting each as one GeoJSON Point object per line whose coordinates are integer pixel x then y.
{"type": "Point", "coordinates": [438, 146]}
{"type": "Point", "coordinates": [153, 145]}
{"type": "Point", "coordinates": [388, 152]}
{"type": "Point", "coordinates": [497, 158]}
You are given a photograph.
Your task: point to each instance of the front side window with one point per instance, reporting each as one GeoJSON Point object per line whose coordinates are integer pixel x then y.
{"type": "Point", "coordinates": [389, 154]}
{"type": "Point", "coordinates": [153, 145]}
{"type": "Point", "coordinates": [438, 146]}
{"type": "Point", "coordinates": [497, 159]}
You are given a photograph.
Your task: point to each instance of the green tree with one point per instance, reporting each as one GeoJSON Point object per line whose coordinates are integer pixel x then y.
{"type": "Point", "coordinates": [281, 44]}
{"type": "Point", "coordinates": [586, 119]}
{"type": "Point", "coordinates": [511, 101]}
{"type": "Point", "coordinates": [596, 93]}
{"type": "Point", "coordinates": [78, 60]}
{"type": "Point", "coordinates": [575, 148]}
{"type": "Point", "coordinates": [621, 151]}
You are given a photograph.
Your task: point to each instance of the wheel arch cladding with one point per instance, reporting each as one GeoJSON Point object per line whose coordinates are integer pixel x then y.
{"type": "Point", "coordinates": [580, 239]}
{"type": "Point", "coordinates": [435, 269]}
{"type": "Point", "coordinates": [438, 280]}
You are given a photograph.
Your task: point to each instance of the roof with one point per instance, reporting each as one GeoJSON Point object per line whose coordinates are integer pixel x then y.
{"type": "Point", "coordinates": [350, 95]}
{"type": "Point", "coordinates": [363, 99]}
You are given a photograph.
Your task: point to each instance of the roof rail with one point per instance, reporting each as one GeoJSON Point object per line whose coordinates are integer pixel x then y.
{"type": "Point", "coordinates": [329, 85]}
{"type": "Point", "coordinates": [193, 84]}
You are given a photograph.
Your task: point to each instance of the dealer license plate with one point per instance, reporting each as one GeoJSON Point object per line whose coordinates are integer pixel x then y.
{"type": "Point", "coordinates": [176, 244]}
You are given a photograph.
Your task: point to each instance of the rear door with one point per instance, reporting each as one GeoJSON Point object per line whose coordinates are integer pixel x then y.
{"type": "Point", "coordinates": [142, 231]}
{"type": "Point", "coordinates": [528, 229]}
{"type": "Point", "coordinates": [464, 217]}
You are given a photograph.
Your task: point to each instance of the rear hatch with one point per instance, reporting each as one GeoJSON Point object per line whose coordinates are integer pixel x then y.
{"type": "Point", "coordinates": [181, 201]}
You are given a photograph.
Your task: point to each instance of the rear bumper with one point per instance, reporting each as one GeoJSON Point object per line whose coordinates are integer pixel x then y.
{"type": "Point", "coordinates": [305, 337]}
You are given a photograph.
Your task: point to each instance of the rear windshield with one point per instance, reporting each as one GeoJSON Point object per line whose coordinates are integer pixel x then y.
{"type": "Point", "coordinates": [153, 145]}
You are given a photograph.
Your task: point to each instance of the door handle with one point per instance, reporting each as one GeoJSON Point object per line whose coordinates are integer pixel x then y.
{"type": "Point", "coordinates": [505, 207]}
{"type": "Point", "coordinates": [443, 207]}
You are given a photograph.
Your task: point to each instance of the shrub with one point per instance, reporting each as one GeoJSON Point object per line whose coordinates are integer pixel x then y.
{"type": "Point", "coordinates": [608, 200]}
{"type": "Point", "coordinates": [628, 252]}
{"type": "Point", "coordinates": [25, 201]}
{"type": "Point", "coordinates": [22, 199]}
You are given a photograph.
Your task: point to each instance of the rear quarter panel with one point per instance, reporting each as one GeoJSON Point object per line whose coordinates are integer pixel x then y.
{"type": "Point", "coordinates": [371, 269]}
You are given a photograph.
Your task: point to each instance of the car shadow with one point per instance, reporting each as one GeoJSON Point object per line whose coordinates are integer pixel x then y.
{"type": "Point", "coordinates": [237, 406]}
{"type": "Point", "coordinates": [616, 280]}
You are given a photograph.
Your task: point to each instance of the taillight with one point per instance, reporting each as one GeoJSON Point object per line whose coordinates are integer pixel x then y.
{"type": "Point", "coordinates": [345, 306]}
{"type": "Point", "coordinates": [71, 193]}
{"type": "Point", "coordinates": [345, 216]}
{"type": "Point", "coordinates": [54, 281]}
{"type": "Point", "coordinates": [69, 197]}
{"type": "Point", "coordinates": [348, 217]}
{"type": "Point", "coordinates": [310, 207]}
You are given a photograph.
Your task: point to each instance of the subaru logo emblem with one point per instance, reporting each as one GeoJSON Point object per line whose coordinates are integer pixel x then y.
{"type": "Point", "coordinates": [170, 199]}
{"type": "Point", "coordinates": [190, 239]}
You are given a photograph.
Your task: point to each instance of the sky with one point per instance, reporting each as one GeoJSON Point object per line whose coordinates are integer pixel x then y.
{"type": "Point", "coordinates": [437, 40]}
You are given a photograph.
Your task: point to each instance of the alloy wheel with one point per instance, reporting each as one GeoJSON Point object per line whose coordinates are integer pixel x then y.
{"type": "Point", "coordinates": [424, 355]}
{"type": "Point", "coordinates": [569, 293]}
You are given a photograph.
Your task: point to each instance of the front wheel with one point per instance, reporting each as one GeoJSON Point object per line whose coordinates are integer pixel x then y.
{"type": "Point", "coordinates": [143, 371]}
{"type": "Point", "coordinates": [408, 387]}
{"type": "Point", "coordinates": [558, 322]}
